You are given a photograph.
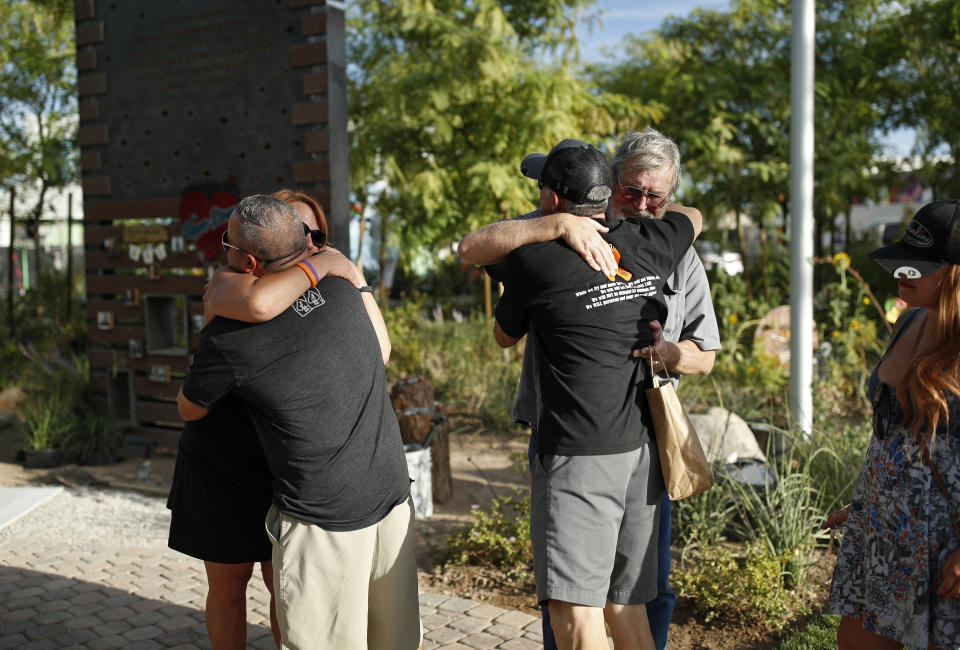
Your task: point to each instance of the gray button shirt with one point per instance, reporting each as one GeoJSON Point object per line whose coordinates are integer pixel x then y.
{"type": "Point", "coordinates": [690, 317]}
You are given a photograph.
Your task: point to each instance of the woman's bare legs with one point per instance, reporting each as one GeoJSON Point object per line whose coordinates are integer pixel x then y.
{"type": "Point", "coordinates": [852, 636]}
{"type": "Point", "coordinates": [226, 614]}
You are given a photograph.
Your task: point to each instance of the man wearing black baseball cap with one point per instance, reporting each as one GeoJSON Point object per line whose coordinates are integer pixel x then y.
{"type": "Point", "coordinates": [646, 169]}
{"type": "Point", "coordinates": [574, 171]}
{"type": "Point", "coordinates": [596, 474]}
{"type": "Point", "coordinates": [931, 241]}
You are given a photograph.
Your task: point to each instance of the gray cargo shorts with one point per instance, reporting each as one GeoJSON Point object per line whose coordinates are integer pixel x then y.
{"type": "Point", "coordinates": [594, 524]}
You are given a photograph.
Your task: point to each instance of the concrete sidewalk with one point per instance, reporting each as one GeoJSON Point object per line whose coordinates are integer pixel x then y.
{"type": "Point", "coordinates": [53, 595]}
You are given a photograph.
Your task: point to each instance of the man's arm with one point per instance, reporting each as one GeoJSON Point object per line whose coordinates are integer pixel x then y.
{"type": "Point", "coordinates": [491, 244]}
{"type": "Point", "coordinates": [246, 297]}
{"type": "Point", "coordinates": [694, 352]}
{"type": "Point", "coordinates": [188, 410]}
{"type": "Point", "coordinates": [682, 358]}
{"type": "Point", "coordinates": [503, 339]}
{"type": "Point", "coordinates": [379, 326]}
{"type": "Point", "coordinates": [696, 219]}
{"type": "Point", "coordinates": [208, 379]}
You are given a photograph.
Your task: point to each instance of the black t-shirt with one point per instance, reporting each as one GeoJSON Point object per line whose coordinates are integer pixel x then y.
{"type": "Point", "coordinates": [585, 328]}
{"type": "Point", "coordinates": [225, 440]}
{"type": "Point", "coordinates": [315, 388]}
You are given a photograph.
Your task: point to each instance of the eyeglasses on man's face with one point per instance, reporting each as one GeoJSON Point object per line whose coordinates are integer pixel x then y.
{"type": "Point", "coordinates": [632, 194]}
{"type": "Point", "coordinates": [224, 241]}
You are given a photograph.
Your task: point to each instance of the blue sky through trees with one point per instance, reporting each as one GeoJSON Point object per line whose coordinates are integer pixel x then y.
{"type": "Point", "coordinates": [622, 17]}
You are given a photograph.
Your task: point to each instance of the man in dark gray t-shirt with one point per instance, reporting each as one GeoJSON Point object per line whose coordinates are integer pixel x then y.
{"type": "Point", "coordinates": [313, 382]}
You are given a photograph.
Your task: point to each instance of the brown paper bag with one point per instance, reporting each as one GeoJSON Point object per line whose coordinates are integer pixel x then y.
{"type": "Point", "coordinates": [685, 469]}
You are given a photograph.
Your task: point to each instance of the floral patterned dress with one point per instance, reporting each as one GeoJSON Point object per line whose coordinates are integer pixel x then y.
{"type": "Point", "coordinates": [900, 533]}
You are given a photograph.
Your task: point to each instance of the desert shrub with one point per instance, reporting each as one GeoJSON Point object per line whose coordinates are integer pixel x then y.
{"type": "Point", "coordinates": [818, 634]}
{"type": "Point", "coordinates": [471, 374]}
{"type": "Point", "coordinates": [784, 515]}
{"type": "Point", "coordinates": [47, 420]}
{"type": "Point", "coordinates": [13, 363]}
{"type": "Point", "coordinates": [701, 520]}
{"type": "Point", "coordinates": [498, 538]}
{"type": "Point", "coordinates": [56, 403]}
{"type": "Point", "coordinates": [833, 458]}
{"type": "Point", "coordinates": [40, 316]}
{"type": "Point", "coordinates": [96, 435]}
{"type": "Point", "coordinates": [749, 588]}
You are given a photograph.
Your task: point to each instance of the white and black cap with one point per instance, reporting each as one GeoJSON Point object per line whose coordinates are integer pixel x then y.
{"type": "Point", "coordinates": [931, 241]}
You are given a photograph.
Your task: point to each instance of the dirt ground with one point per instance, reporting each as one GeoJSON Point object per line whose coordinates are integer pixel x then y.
{"type": "Point", "coordinates": [483, 465]}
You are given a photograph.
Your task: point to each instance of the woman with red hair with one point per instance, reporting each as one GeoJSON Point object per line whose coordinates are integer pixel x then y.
{"type": "Point", "coordinates": [897, 578]}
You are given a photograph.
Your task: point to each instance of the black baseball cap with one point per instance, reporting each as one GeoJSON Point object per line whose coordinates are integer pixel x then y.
{"type": "Point", "coordinates": [931, 241]}
{"type": "Point", "coordinates": [572, 169]}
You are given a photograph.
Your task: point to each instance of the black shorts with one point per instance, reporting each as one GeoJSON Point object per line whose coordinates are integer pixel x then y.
{"type": "Point", "coordinates": [221, 491]}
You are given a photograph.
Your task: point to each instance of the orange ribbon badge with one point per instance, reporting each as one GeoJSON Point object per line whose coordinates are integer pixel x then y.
{"type": "Point", "coordinates": [622, 272]}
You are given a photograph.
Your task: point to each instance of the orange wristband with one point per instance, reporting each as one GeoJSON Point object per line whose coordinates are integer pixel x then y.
{"type": "Point", "coordinates": [311, 274]}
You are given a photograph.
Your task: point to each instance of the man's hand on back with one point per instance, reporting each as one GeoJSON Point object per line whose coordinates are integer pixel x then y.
{"type": "Point", "coordinates": [664, 352]}
{"type": "Point", "coordinates": [682, 358]}
{"type": "Point", "coordinates": [582, 234]}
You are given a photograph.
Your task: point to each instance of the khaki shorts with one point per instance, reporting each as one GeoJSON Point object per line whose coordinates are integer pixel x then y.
{"type": "Point", "coordinates": [349, 590]}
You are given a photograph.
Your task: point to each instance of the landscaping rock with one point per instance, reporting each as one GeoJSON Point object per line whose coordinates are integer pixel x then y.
{"type": "Point", "coordinates": [726, 437]}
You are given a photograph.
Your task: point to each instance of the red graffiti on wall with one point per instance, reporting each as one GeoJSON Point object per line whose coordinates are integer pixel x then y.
{"type": "Point", "coordinates": [203, 220]}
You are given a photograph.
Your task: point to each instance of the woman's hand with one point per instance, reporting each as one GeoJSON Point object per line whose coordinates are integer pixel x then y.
{"type": "Point", "coordinates": [950, 577]}
{"type": "Point", "coordinates": [330, 261]}
{"type": "Point", "coordinates": [215, 280]}
{"type": "Point", "coordinates": [837, 518]}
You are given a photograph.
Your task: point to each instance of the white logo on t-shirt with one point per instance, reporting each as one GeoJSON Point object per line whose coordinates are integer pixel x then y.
{"type": "Point", "coordinates": [308, 302]}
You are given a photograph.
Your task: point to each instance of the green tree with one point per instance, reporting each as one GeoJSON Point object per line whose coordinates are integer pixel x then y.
{"type": "Point", "coordinates": [448, 96]}
{"type": "Point", "coordinates": [851, 109]}
{"type": "Point", "coordinates": [725, 78]}
{"type": "Point", "coordinates": [38, 115]}
{"type": "Point", "coordinates": [927, 33]}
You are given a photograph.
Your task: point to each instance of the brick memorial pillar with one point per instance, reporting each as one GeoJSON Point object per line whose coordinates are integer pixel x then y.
{"type": "Point", "coordinates": [186, 107]}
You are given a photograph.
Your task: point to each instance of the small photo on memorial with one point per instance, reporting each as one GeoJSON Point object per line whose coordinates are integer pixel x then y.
{"type": "Point", "coordinates": [159, 374]}
{"type": "Point", "coordinates": [177, 245]}
{"type": "Point", "coordinates": [131, 297]}
{"type": "Point", "coordinates": [110, 246]}
{"type": "Point", "coordinates": [104, 320]}
{"type": "Point", "coordinates": [153, 272]}
{"type": "Point", "coordinates": [135, 348]}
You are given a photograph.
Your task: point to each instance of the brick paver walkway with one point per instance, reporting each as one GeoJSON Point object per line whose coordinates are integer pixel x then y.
{"type": "Point", "coordinates": [52, 597]}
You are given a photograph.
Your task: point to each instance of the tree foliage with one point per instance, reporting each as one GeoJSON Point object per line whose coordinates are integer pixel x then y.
{"type": "Point", "coordinates": [725, 76]}
{"type": "Point", "coordinates": [927, 96]}
{"type": "Point", "coordinates": [37, 96]}
{"type": "Point", "coordinates": [447, 96]}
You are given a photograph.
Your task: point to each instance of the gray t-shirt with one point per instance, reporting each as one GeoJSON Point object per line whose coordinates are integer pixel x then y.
{"type": "Point", "coordinates": [690, 317]}
{"type": "Point", "coordinates": [313, 382]}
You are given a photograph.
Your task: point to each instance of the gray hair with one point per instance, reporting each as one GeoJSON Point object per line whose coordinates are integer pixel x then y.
{"type": "Point", "coordinates": [597, 199]}
{"type": "Point", "coordinates": [647, 149]}
{"type": "Point", "coordinates": [269, 228]}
